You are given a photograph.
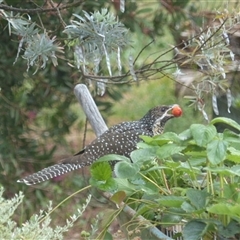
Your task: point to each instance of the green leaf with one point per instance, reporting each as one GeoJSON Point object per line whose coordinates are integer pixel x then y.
{"type": "Point", "coordinates": [169, 136]}
{"type": "Point", "coordinates": [230, 230]}
{"type": "Point", "coordinates": [227, 121]}
{"type": "Point", "coordinates": [171, 201]}
{"type": "Point", "coordinates": [231, 136]}
{"type": "Point", "coordinates": [185, 135]}
{"type": "Point", "coordinates": [187, 168]}
{"type": "Point", "coordinates": [196, 161]}
{"type": "Point", "coordinates": [108, 236]}
{"type": "Point", "coordinates": [144, 10]}
{"type": "Point", "coordinates": [234, 171]}
{"type": "Point", "coordinates": [194, 230]}
{"type": "Point", "coordinates": [125, 185]}
{"type": "Point", "coordinates": [161, 139]}
{"type": "Point", "coordinates": [125, 170]}
{"type": "Point", "coordinates": [234, 155]}
{"type": "Point", "coordinates": [113, 157]}
{"type": "Point", "coordinates": [107, 185]}
{"type": "Point", "coordinates": [187, 207]}
{"type": "Point", "coordinates": [147, 211]}
{"type": "Point", "coordinates": [168, 150]}
{"type": "Point", "coordinates": [203, 134]}
{"type": "Point", "coordinates": [101, 171]}
{"type": "Point", "coordinates": [102, 176]}
{"type": "Point", "coordinates": [146, 139]}
{"type": "Point", "coordinates": [229, 191]}
{"type": "Point", "coordinates": [140, 156]}
{"type": "Point", "coordinates": [225, 209]}
{"type": "Point", "coordinates": [118, 197]}
{"type": "Point", "coordinates": [194, 149]}
{"type": "Point", "coordinates": [217, 151]}
{"type": "Point", "coordinates": [169, 219]}
{"type": "Point", "coordinates": [198, 198]}
{"type": "Point", "coordinates": [171, 216]}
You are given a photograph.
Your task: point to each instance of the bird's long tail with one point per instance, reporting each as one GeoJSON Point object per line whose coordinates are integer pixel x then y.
{"type": "Point", "coordinates": [65, 166]}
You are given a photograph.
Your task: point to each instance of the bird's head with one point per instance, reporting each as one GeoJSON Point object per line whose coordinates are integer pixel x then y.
{"type": "Point", "coordinates": [159, 115]}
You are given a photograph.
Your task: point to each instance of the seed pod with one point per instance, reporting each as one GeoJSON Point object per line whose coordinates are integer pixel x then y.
{"type": "Point", "coordinates": [131, 68]}
{"type": "Point", "coordinates": [214, 104]}
{"type": "Point", "coordinates": [229, 99]}
{"type": "Point", "coordinates": [226, 38]}
{"type": "Point", "coordinates": [205, 115]}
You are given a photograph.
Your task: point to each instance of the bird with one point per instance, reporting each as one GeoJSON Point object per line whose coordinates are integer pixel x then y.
{"type": "Point", "coordinates": [120, 139]}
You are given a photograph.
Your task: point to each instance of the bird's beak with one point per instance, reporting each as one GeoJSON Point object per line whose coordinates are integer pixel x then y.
{"type": "Point", "coordinates": [167, 113]}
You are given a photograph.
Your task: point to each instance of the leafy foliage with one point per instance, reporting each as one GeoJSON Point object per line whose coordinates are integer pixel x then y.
{"type": "Point", "coordinates": [37, 227]}
{"type": "Point", "coordinates": [35, 109]}
{"type": "Point", "coordinates": [36, 112]}
{"type": "Point", "coordinates": [94, 36]}
{"type": "Point", "coordinates": [189, 179]}
{"type": "Point", "coordinates": [38, 46]}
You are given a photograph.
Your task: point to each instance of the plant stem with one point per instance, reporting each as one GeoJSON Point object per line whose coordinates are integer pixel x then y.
{"type": "Point", "coordinates": [160, 188]}
{"type": "Point", "coordinates": [64, 200]}
{"type": "Point", "coordinates": [110, 220]}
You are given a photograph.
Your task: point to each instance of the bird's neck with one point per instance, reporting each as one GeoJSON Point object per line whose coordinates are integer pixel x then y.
{"type": "Point", "coordinates": [147, 122]}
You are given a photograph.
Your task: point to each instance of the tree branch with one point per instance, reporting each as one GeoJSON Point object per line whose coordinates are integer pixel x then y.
{"type": "Point", "coordinates": [90, 109]}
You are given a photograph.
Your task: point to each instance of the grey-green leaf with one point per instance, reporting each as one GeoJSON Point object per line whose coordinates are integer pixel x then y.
{"type": "Point", "coordinates": [227, 121]}
{"type": "Point", "coordinates": [125, 170]}
{"type": "Point", "coordinates": [203, 134]}
{"type": "Point", "coordinates": [168, 150]}
{"type": "Point", "coordinates": [198, 198]}
{"type": "Point", "coordinates": [217, 151]}
{"type": "Point", "coordinates": [194, 230]}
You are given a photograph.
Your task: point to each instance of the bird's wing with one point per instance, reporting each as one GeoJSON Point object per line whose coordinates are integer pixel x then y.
{"type": "Point", "coordinates": [125, 126]}
{"type": "Point", "coordinates": [80, 152]}
{"type": "Point", "coordinates": [119, 128]}
{"type": "Point", "coordinates": [108, 143]}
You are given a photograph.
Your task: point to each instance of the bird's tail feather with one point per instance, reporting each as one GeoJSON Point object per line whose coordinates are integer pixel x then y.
{"type": "Point", "coordinates": [49, 172]}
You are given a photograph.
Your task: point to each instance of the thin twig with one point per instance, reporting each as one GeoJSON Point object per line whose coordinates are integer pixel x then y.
{"type": "Point", "coordinates": [59, 14]}
{"type": "Point", "coordinates": [142, 51]}
{"type": "Point", "coordinates": [40, 10]}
